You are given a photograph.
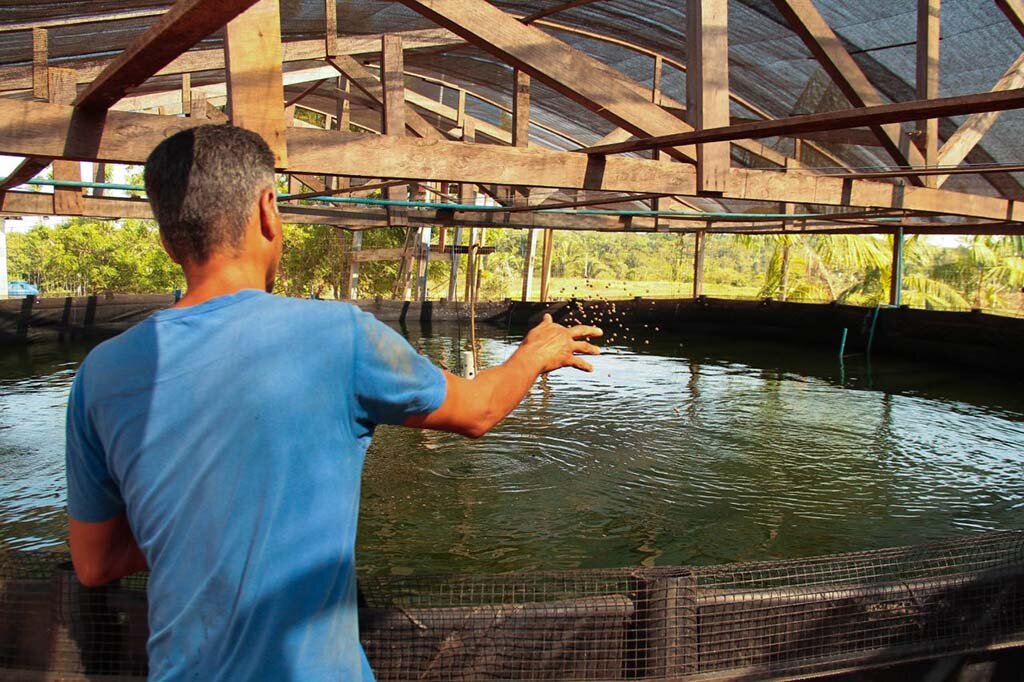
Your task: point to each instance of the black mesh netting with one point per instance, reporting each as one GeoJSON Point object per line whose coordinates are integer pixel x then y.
{"type": "Point", "coordinates": [756, 619]}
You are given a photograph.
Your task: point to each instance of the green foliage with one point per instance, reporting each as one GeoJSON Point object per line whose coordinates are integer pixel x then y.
{"type": "Point", "coordinates": [84, 256]}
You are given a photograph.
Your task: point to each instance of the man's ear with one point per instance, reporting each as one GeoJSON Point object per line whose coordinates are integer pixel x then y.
{"type": "Point", "coordinates": [270, 218]}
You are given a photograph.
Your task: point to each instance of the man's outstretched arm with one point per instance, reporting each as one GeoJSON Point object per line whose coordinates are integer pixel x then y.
{"type": "Point", "coordinates": [473, 407]}
{"type": "Point", "coordinates": [105, 551]}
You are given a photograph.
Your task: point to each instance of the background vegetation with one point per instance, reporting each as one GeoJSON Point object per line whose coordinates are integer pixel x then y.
{"type": "Point", "coordinates": [83, 256]}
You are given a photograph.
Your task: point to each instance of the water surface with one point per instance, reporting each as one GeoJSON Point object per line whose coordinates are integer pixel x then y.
{"type": "Point", "coordinates": [678, 449]}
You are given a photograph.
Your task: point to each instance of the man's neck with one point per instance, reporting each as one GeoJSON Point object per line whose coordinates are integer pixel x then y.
{"type": "Point", "coordinates": [219, 276]}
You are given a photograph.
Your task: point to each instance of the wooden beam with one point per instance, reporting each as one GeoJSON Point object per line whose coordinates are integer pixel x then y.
{"type": "Point", "coordinates": [305, 93]}
{"type": "Point", "coordinates": [520, 109]}
{"type": "Point", "coordinates": [571, 72]}
{"type": "Point", "coordinates": [928, 25]}
{"type": "Point", "coordinates": [804, 18]}
{"type": "Point", "coordinates": [63, 89]}
{"type": "Point", "coordinates": [186, 94]}
{"type": "Point", "coordinates": [707, 87]}
{"type": "Point", "coordinates": [20, 77]}
{"type": "Point", "coordinates": [1014, 11]}
{"type": "Point", "coordinates": [832, 120]}
{"type": "Point", "coordinates": [39, 129]}
{"type": "Point", "coordinates": [969, 134]}
{"type": "Point", "coordinates": [343, 109]}
{"type": "Point", "coordinates": [252, 51]}
{"type": "Point", "coordinates": [40, 59]}
{"type": "Point", "coordinates": [393, 119]}
{"type": "Point", "coordinates": [330, 28]}
{"type": "Point", "coordinates": [180, 28]}
{"type": "Point", "coordinates": [560, 7]}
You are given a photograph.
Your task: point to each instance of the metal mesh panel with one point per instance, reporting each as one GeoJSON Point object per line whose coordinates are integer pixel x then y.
{"type": "Point", "coordinates": [761, 620]}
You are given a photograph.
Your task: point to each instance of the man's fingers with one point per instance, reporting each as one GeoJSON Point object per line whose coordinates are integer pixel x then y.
{"type": "Point", "coordinates": [582, 331]}
{"type": "Point", "coordinates": [547, 319]}
{"type": "Point", "coordinates": [585, 348]}
{"type": "Point", "coordinates": [581, 364]}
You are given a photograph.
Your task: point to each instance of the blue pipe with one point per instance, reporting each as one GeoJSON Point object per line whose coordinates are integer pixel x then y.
{"type": "Point", "coordinates": [366, 201]}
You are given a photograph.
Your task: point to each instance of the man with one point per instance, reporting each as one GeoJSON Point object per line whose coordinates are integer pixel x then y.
{"type": "Point", "coordinates": [220, 442]}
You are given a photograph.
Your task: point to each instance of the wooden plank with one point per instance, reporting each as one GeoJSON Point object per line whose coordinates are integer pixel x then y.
{"type": "Point", "coordinates": [330, 27]}
{"type": "Point", "coordinates": [528, 257]}
{"type": "Point", "coordinates": [707, 87]}
{"type": "Point", "coordinates": [186, 94]}
{"type": "Point", "coordinates": [805, 19]}
{"type": "Point", "coordinates": [1014, 11]}
{"type": "Point", "coordinates": [180, 28]}
{"type": "Point", "coordinates": [560, 7]}
{"type": "Point", "coordinates": [252, 52]}
{"type": "Point", "coordinates": [832, 120]}
{"type": "Point", "coordinates": [39, 129]}
{"type": "Point", "coordinates": [40, 58]}
{"type": "Point", "coordinates": [970, 133]}
{"type": "Point", "coordinates": [571, 72]}
{"type": "Point", "coordinates": [20, 77]}
{"type": "Point", "coordinates": [928, 25]}
{"type": "Point", "coordinates": [63, 88]}
{"type": "Point", "coordinates": [521, 109]}
{"type": "Point", "coordinates": [343, 109]}
{"type": "Point", "coordinates": [393, 119]}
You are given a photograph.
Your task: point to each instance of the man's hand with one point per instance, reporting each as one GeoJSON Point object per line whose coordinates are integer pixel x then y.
{"type": "Point", "coordinates": [553, 346]}
{"type": "Point", "coordinates": [473, 407]}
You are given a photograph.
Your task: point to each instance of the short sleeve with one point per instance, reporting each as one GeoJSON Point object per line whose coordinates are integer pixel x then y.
{"type": "Point", "coordinates": [93, 495]}
{"type": "Point", "coordinates": [392, 381]}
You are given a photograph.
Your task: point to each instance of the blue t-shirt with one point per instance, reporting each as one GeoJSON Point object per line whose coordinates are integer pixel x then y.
{"type": "Point", "coordinates": [233, 433]}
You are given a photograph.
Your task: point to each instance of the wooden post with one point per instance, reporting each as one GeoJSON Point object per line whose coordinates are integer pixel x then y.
{"type": "Point", "coordinates": [423, 274]}
{"type": "Point", "coordinates": [698, 263]}
{"type": "Point", "coordinates": [531, 250]}
{"type": "Point", "coordinates": [357, 246]}
{"type": "Point", "coordinates": [707, 87]}
{"type": "Point", "coordinates": [521, 124]}
{"type": "Point", "coordinates": [331, 28]}
{"type": "Point", "coordinates": [99, 174]}
{"type": "Point", "coordinates": [343, 109]}
{"type": "Point", "coordinates": [40, 58]}
{"type": "Point", "coordinates": [186, 93]}
{"type": "Point", "coordinates": [896, 280]}
{"type": "Point", "coordinates": [252, 54]}
{"type": "Point", "coordinates": [453, 279]}
{"type": "Point", "coordinates": [3, 259]}
{"type": "Point", "coordinates": [545, 267]}
{"type": "Point", "coordinates": [62, 84]}
{"type": "Point", "coordinates": [928, 27]}
{"type": "Point", "coordinates": [659, 62]}
{"type": "Point", "coordinates": [471, 263]}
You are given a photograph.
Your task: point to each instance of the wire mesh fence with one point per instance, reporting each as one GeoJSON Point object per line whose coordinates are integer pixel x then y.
{"type": "Point", "coordinates": [754, 620]}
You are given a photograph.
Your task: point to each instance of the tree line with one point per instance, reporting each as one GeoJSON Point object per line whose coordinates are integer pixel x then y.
{"type": "Point", "coordinates": [84, 256]}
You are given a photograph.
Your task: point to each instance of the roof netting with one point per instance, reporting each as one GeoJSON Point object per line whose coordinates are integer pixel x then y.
{"type": "Point", "coordinates": [771, 71]}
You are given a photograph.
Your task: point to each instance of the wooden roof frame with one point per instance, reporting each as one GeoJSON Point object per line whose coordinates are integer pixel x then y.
{"type": "Point", "coordinates": [90, 129]}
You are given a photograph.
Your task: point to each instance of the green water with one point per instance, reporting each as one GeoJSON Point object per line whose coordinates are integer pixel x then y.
{"type": "Point", "coordinates": [677, 450]}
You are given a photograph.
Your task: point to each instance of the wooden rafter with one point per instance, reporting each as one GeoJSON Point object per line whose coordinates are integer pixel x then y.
{"type": "Point", "coordinates": [804, 18]}
{"type": "Point", "coordinates": [970, 133]}
{"type": "Point", "coordinates": [39, 129]}
{"type": "Point", "coordinates": [928, 25]}
{"type": "Point", "coordinates": [833, 120]}
{"type": "Point", "coordinates": [182, 26]}
{"type": "Point", "coordinates": [565, 69]}
{"type": "Point", "coordinates": [707, 87]}
{"type": "Point", "coordinates": [20, 77]}
{"type": "Point", "coordinates": [1014, 11]}
{"type": "Point", "coordinates": [561, 7]}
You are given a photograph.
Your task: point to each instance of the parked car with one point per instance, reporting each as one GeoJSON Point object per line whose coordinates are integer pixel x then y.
{"type": "Point", "coordinates": [17, 288]}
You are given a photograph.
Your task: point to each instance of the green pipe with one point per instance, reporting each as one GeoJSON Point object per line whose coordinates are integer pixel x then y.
{"type": "Point", "coordinates": [366, 201]}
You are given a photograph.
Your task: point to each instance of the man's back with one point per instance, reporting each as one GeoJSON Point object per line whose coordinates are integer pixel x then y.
{"type": "Point", "coordinates": [234, 433]}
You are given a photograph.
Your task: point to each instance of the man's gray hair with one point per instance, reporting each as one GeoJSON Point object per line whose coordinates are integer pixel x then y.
{"type": "Point", "coordinates": [203, 184]}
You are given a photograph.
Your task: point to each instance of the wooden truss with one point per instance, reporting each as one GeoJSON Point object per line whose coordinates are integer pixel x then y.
{"type": "Point", "coordinates": [704, 161]}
